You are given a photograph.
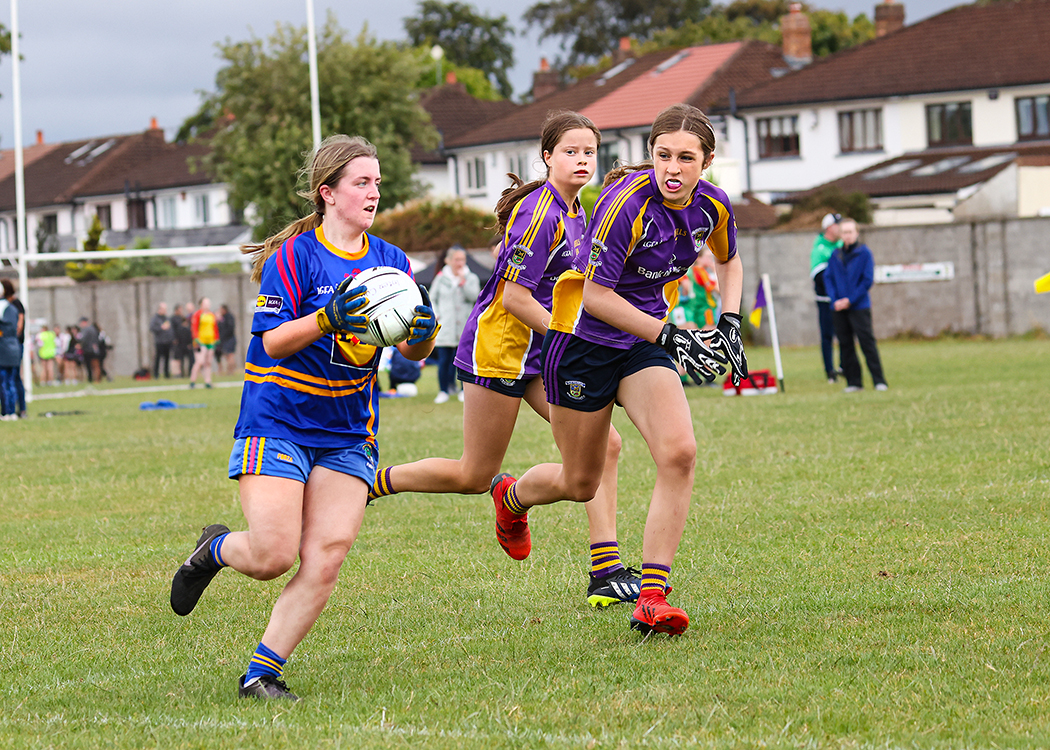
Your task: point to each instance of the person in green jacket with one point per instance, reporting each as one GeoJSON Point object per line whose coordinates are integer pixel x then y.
{"type": "Point", "coordinates": [827, 242]}
{"type": "Point", "coordinates": [46, 349]}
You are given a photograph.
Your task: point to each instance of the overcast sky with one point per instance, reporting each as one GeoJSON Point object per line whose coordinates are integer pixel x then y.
{"type": "Point", "coordinates": [105, 68]}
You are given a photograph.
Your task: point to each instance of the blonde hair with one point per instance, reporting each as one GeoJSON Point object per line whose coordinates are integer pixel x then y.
{"type": "Point", "coordinates": [323, 167]}
{"type": "Point", "coordinates": [672, 119]}
{"type": "Point", "coordinates": [557, 124]}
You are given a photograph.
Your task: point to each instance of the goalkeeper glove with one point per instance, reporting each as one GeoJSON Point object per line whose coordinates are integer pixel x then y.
{"type": "Point", "coordinates": [425, 324]}
{"type": "Point", "coordinates": [726, 340]}
{"type": "Point", "coordinates": [688, 348]}
{"type": "Point", "coordinates": [337, 315]}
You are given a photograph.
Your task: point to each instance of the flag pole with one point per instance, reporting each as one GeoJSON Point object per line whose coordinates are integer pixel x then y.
{"type": "Point", "coordinates": [21, 233]}
{"type": "Point", "coordinates": [773, 330]}
{"type": "Point", "coordinates": [311, 45]}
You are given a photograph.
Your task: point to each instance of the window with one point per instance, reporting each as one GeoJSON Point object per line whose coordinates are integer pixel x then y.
{"type": "Point", "coordinates": [949, 124]}
{"type": "Point", "coordinates": [608, 153]}
{"type": "Point", "coordinates": [166, 213]}
{"type": "Point", "coordinates": [519, 164]}
{"type": "Point", "coordinates": [202, 208]}
{"type": "Point", "coordinates": [860, 130]}
{"type": "Point", "coordinates": [1033, 118]}
{"type": "Point", "coordinates": [103, 214]}
{"type": "Point", "coordinates": [476, 173]}
{"type": "Point", "coordinates": [49, 223]}
{"type": "Point", "coordinates": [136, 213]}
{"type": "Point", "coordinates": [777, 136]}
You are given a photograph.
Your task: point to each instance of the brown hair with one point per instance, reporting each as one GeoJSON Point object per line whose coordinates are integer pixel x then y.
{"type": "Point", "coordinates": [674, 118]}
{"type": "Point", "coordinates": [558, 123]}
{"type": "Point", "coordinates": [323, 167]}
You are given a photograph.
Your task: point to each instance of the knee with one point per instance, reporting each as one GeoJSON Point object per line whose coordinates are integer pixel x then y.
{"type": "Point", "coordinates": [273, 563]}
{"type": "Point", "coordinates": [581, 489]}
{"type": "Point", "coordinates": [612, 450]}
{"type": "Point", "coordinates": [680, 458]}
{"type": "Point", "coordinates": [322, 565]}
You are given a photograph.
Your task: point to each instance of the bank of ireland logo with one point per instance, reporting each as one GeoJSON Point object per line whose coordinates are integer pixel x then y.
{"type": "Point", "coordinates": [575, 388]}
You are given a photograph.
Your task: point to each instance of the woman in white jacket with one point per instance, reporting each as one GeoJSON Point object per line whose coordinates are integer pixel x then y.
{"type": "Point", "coordinates": [453, 292]}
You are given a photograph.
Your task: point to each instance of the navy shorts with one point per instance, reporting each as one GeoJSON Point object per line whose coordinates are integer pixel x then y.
{"type": "Point", "coordinates": [274, 457]}
{"type": "Point", "coordinates": [513, 387]}
{"type": "Point", "coordinates": [583, 376]}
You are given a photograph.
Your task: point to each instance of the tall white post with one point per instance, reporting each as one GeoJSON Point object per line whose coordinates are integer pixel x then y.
{"type": "Point", "coordinates": [21, 234]}
{"type": "Point", "coordinates": [773, 329]}
{"type": "Point", "coordinates": [311, 43]}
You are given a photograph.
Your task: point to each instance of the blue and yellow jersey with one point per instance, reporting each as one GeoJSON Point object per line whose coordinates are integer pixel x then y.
{"type": "Point", "coordinates": [640, 245]}
{"type": "Point", "coordinates": [326, 393]}
{"type": "Point", "coordinates": [542, 240]}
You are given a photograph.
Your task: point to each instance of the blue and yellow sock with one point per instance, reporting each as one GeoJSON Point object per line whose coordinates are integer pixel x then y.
{"type": "Point", "coordinates": [264, 661]}
{"type": "Point", "coordinates": [511, 501]}
{"type": "Point", "coordinates": [381, 487]}
{"type": "Point", "coordinates": [216, 549]}
{"type": "Point", "coordinates": [605, 559]}
{"type": "Point", "coordinates": [655, 576]}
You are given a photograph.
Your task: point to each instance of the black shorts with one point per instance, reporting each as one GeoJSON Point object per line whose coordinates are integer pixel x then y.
{"type": "Point", "coordinates": [583, 376]}
{"type": "Point", "coordinates": [513, 387]}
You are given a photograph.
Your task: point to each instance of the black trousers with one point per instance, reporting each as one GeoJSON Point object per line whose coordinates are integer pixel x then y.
{"type": "Point", "coordinates": [162, 355]}
{"type": "Point", "coordinates": [850, 324]}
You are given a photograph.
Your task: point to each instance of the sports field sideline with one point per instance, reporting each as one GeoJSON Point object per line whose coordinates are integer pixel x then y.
{"type": "Point", "coordinates": [863, 570]}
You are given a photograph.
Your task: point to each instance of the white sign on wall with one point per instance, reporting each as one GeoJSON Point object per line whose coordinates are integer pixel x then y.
{"type": "Point", "coordinates": [914, 272]}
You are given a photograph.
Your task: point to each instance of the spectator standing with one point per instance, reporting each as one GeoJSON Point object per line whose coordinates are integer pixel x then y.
{"type": "Point", "coordinates": [10, 354]}
{"type": "Point", "coordinates": [73, 357]}
{"type": "Point", "coordinates": [163, 338]}
{"type": "Point", "coordinates": [105, 346]}
{"type": "Point", "coordinates": [61, 344]}
{"type": "Point", "coordinates": [827, 242]}
{"type": "Point", "coordinates": [849, 276]}
{"type": "Point", "coordinates": [181, 351]}
{"type": "Point", "coordinates": [453, 292]}
{"type": "Point", "coordinates": [226, 352]}
{"type": "Point", "coordinates": [89, 350]}
{"type": "Point", "coordinates": [205, 331]}
{"type": "Point", "coordinates": [47, 352]}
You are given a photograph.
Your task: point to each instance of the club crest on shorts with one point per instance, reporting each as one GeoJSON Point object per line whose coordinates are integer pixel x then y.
{"type": "Point", "coordinates": [509, 382]}
{"type": "Point", "coordinates": [575, 388]}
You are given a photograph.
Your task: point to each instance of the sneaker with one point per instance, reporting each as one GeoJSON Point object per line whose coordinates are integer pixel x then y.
{"type": "Point", "coordinates": [653, 613]}
{"type": "Point", "coordinates": [622, 586]}
{"type": "Point", "coordinates": [881, 387]}
{"type": "Point", "coordinates": [265, 688]}
{"type": "Point", "coordinates": [831, 381]}
{"type": "Point", "coordinates": [460, 396]}
{"type": "Point", "coordinates": [196, 573]}
{"type": "Point", "coordinates": [512, 530]}
{"type": "Point", "coordinates": [852, 389]}
{"type": "Point", "coordinates": [441, 398]}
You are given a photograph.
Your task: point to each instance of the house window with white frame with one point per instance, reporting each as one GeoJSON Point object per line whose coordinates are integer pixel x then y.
{"type": "Point", "coordinates": [608, 155]}
{"type": "Point", "coordinates": [166, 212]}
{"type": "Point", "coordinates": [860, 130]}
{"type": "Point", "coordinates": [102, 211]}
{"type": "Point", "coordinates": [518, 164]}
{"type": "Point", "coordinates": [202, 209]}
{"type": "Point", "coordinates": [476, 173]}
{"type": "Point", "coordinates": [949, 124]}
{"type": "Point", "coordinates": [1033, 118]}
{"type": "Point", "coordinates": [777, 136]}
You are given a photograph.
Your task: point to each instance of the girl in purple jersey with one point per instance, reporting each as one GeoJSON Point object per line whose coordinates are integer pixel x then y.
{"type": "Point", "coordinates": [609, 342]}
{"type": "Point", "coordinates": [305, 452]}
{"type": "Point", "coordinates": [541, 224]}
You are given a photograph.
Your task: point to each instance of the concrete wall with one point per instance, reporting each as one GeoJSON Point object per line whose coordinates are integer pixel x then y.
{"type": "Point", "coordinates": [996, 263]}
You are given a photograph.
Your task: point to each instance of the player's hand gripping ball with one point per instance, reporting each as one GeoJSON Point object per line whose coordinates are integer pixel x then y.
{"type": "Point", "coordinates": [338, 314]}
{"type": "Point", "coordinates": [393, 303]}
{"type": "Point", "coordinates": [425, 325]}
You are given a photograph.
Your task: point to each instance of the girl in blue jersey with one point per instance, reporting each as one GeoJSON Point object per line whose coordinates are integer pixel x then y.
{"type": "Point", "coordinates": [305, 446]}
{"type": "Point", "coordinates": [541, 224]}
{"type": "Point", "coordinates": [609, 342]}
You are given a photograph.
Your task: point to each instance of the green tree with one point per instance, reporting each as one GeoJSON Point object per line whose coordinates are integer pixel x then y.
{"type": "Point", "coordinates": [475, 81]}
{"type": "Point", "coordinates": [259, 115]}
{"type": "Point", "coordinates": [833, 31]}
{"type": "Point", "coordinates": [591, 29]}
{"type": "Point", "coordinates": [468, 38]}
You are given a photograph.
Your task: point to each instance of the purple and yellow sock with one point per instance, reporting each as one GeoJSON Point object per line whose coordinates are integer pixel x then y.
{"type": "Point", "coordinates": [511, 501]}
{"type": "Point", "coordinates": [264, 661]}
{"type": "Point", "coordinates": [381, 487]}
{"type": "Point", "coordinates": [216, 549]}
{"type": "Point", "coordinates": [605, 559]}
{"type": "Point", "coordinates": [655, 576]}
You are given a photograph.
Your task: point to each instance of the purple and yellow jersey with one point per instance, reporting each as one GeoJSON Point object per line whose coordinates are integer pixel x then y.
{"type": "Point", "coordinates": [640, 246]}
{"type": "Point", "coordinates": [326, 393]}
{"type": "Point", "coordinates": [542, 240]}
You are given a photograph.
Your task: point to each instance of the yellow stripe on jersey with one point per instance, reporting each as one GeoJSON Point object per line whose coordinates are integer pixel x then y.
{"type": "Point", "coordinates": [634, 185]}
{"type": "Point", "coordinates": [501, 341]}
{"type": "Point", "coordinates": [331, 384]}
{"type": "Point", "coordinates": [670, 297]}
{"type": "Point", "coordinates": [719, 239]}
{"type": "Point", "coordinates": [568, 301]}
{"type": "Point", "coordinates": [283, 382]}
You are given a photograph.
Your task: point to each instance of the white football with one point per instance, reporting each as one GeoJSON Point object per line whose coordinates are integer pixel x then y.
{"type": "Point", "coordinates": [392, 300]}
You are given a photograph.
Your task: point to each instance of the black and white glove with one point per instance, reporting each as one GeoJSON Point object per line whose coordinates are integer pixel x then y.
{"type": "Point", "coordinates": [688, 348]}
{"type": "Point", "coordinates": [726, 340]}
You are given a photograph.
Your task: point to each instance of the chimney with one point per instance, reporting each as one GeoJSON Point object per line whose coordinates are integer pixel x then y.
{"type": "Point", "coordinates": [889, 16]}
{"type": "Point", "coordinates": [40, 137]}
{"type": "Point", "coordinates": [153, 124]}
{"type": "Point", "coordinates": [798, 42]}
{"type": "Point", "coordinates": [450, 77]}
{"type": "Point", "coordinates": [544, 81]}
{"type": "Point", "coordinates": [623, 51]}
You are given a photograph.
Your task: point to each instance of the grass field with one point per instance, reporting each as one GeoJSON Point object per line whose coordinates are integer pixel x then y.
{"type": "Point", "coordinates": [862, 570]}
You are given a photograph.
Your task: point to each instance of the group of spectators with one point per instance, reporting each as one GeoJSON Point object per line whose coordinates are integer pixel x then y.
{"type": "Point", "coordinates": [68, 357]}
{"type": "Point", "coordinates": [192, 340]}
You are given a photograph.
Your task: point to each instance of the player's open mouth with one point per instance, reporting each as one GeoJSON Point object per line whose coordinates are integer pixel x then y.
{"type": "Point", "coordinates": [673, 185]}
{"type": "Point", "coordinates": [582, 173]}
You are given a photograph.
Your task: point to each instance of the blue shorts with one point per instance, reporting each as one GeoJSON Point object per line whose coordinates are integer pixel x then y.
{"type": "Point", "coordinates": [513, 387]}
{"type": "Point", "coordinates": [274, 457]}
{"type": "Point", "coordinates": [583, 376]}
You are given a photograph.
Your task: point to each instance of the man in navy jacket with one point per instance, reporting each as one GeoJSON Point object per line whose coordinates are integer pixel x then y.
{"type": "Point", "coordinates": [849, 276]}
